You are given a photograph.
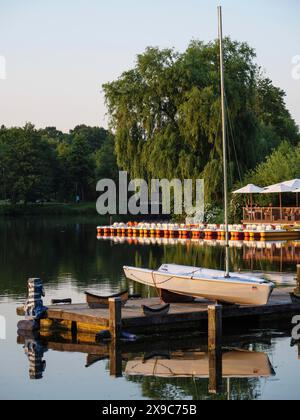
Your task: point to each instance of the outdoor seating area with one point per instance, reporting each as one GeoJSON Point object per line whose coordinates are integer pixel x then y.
{"type": "Point", "coordinates": [284, 215]}
{"type": "Point", "coordinates": [287, 215]}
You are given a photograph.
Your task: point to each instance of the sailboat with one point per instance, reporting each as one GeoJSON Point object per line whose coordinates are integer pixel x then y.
{"type": "Point", "coordinates": [197, 282]}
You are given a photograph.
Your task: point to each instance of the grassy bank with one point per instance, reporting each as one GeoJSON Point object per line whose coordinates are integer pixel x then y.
{"type": "Point", "coordinates": [55, 209]}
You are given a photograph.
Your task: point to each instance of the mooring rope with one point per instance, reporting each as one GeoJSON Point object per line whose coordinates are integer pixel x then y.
{"type": "Point", "coordinates": [156, 288]}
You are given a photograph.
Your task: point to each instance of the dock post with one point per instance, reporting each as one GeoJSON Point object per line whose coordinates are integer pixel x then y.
{"type": "Point", "coordinates": [297, 290]}
{"type": "Point", "coordinates": [115, 317]}
{"type": "Point", "coordinates": [215, 348]}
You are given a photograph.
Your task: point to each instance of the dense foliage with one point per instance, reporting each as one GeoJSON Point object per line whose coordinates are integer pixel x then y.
{"type": "Point", "coordinates": [44, 165]}
{"type": "Point", "coordinates": [165, 114]}
{"type": "Point", "coordinates": [286, 160]}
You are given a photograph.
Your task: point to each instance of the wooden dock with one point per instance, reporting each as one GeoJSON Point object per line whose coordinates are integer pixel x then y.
{"type": "Point", "coordinates": [81, 318]}
{"type": "Point", "coordinates": [80, 324]}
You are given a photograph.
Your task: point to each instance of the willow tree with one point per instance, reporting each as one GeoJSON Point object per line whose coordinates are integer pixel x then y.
{"type": "Point", "coordinates": [166, 114]}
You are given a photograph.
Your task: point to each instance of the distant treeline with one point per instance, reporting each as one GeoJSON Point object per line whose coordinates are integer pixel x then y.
{"type": "Point", "coordinates": [49, 165]}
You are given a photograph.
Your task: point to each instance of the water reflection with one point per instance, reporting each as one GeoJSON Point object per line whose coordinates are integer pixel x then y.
{"type": "Point", "coordinates": [66, 254]}
{"type": "Point", "coordinates": [35, 350]}
{"type": "Point", "coordinates": [236, 364]}
{"type": "Point", "coordinates": [254, 256]}
{"type": "Point", "coordinates": [165, 368]}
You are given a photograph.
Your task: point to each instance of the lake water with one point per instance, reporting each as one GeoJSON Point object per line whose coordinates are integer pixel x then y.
{"type": "Point", "coordinates": [65, 253]}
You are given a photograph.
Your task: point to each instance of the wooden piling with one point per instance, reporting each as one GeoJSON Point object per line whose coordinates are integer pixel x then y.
{"type": "Point", "coordinates": [115, 359]}
{"type": "Point", "coordinates": [297, 290]}
{"type": "Point", "coordinates": [215, 348]}
{"type": "Point", "coordinates": [115, 317]}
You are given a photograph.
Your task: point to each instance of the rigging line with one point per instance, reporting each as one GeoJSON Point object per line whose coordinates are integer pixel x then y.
{"type": "Point", "coordinates": [229, 154]}
{"type": "Point", "coordinates": [168, 279]}
{"type": "Point", "coordinates": [234, 144]}
{"type": "Point", "coordinates": [163, 282]}
{"type": "Point", "coordinates": [230, 157]}
{"type": "Point", "coordinates": [213, 151]}
{"type": "Point", "coordinates": [232, 138]}
{"type": "Point", "coordinates": [156, 288]}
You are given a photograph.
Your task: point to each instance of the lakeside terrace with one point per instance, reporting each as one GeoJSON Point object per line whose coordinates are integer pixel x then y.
{"type": "Point", "coordinates": [271, 215]}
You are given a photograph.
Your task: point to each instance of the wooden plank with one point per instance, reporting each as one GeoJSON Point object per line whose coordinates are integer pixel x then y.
{"type": "Point", "coordinates": [81, 316]}
{"type": "Point", "coordinates": [90, 328]}
{"type": "Point", "coordinates": [59, 324]}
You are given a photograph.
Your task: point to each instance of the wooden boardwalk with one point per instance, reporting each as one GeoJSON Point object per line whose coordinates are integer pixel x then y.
{"type": "Point", "coordinates": [82, 318]}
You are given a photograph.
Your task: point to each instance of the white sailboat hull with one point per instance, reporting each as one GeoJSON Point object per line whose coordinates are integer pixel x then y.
{"type": "Point", "coordinates": [204, 283]}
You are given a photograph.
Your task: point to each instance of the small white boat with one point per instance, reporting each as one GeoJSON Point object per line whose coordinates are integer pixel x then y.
{"type": "Point", "coordinates": [204, 283]}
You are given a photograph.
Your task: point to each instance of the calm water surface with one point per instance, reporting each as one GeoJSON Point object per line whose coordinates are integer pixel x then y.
{"type": "Point", "coordinates": [68, 257]}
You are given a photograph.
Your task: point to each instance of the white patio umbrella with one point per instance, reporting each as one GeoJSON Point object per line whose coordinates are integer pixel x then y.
{"type": "Point", "coordinates": [278, 188]}
{"type": "Point", "coordinates": [295, 185]}
{"type": "Point", "coordinates": [250, 189]}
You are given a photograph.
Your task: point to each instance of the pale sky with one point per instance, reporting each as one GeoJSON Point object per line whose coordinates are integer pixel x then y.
{"type": "Point", "coordinates": [58, 53]}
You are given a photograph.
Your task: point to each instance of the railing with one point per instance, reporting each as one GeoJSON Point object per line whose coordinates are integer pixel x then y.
{"type": "Point", "coordinates": [271, 215]}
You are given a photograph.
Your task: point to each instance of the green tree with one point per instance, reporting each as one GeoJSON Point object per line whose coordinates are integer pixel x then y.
{"type": "Point", "coordinates": [77, 168]}
{"type": "Point", "coordinates": [52, 135]}
{"type": "Point", "coordinates": [26, 162]}
{"type": "Point", "coordinates": [94, 136]}
{"type": "Point", "coordinates": [49, 164]}
{"type": "Point", "coordinates": [286, 160]}
{"type": "Point", "coordinates": [105, 160]}
{"type": "Point", "coordinates": [166, 114]}
{"type": "Point", "coordinates": [273, 114]}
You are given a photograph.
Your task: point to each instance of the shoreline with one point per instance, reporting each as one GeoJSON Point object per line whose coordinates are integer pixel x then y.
{"type": "Point", "coordinates": [48, 209]}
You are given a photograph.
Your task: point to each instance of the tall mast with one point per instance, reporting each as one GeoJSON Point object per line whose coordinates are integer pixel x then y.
{"type": "Point", "coordinates": [224, 140]}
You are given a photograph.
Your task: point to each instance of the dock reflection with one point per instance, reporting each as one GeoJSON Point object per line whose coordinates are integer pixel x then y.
{"type": "Point", "coordinates": [181, 360]}
{"type": "Point", "coordinates": [275, 260]}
